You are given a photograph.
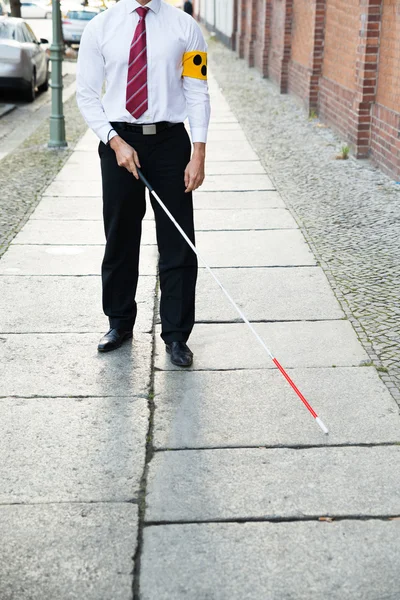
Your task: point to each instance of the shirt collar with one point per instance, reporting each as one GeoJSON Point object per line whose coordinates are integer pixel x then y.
{"type": "Point", "coordinates": [154, 5]}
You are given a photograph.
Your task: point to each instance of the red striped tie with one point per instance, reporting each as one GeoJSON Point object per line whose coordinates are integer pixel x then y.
{"type": "Point", "coordinates": [136, 89]}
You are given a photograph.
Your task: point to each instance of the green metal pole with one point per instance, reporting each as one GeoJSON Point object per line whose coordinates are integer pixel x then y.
{"type": "Point", "coordinates": [57, 122]}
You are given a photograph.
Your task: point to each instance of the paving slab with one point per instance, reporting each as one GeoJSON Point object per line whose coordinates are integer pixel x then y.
{"type": "Point", "coordinates": [72, 449]}
{"type": "Point", "coordinates": [67, 551]}
{"type": "Point", "coordinates": [222, 118]}
{"type": "Point", "coordinates": [232, 126]}
{"type": "Point", "coordinates": [69, 365]}
{"type": "Point", "coordinates": [83, 160]}
{"type": "Point", "coordinates": [277, 248]}
{"type": "Point", "coordinates": [71, 172]}
{"type": "Point", "coordinates": [272, 561]}
{"type": "Point", "coordinates": [237, 200]}
{"type": "Point", "coordinates": [55, 208]}
{"type": "Point", "coordinates": [77, 208]}
{"type": "Point", "coordinates": [258, 408]}
{"type": "Point", "coordinates": [233, 150]}
{"type": "Point", "coordinates": [295, 344]}
{"type": "Point", "coordinates": [280, 294]}
{"type": "Point", "coordinates": [238, 183]}
{"type": "Point", "coordinates": [234, 167]}
{"type": "Point", "coordinates": [75, 188]}
{"type": "Point", "coordinates": [252, 219]}
{"type": "Point", "coordinates": [226, 136]}
{"type": "Point", "coordinates": [259, 483]}
{"type": "Point", "coordinates": [64, 304]}
{"type": "Point", "coordinates": [66, 260]}
{"type": "Point", "coordinates": [73, 232]}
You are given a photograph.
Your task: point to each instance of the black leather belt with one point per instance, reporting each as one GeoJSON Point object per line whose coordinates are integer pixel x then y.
{"type": "Point", "coordinates": [151, 129]}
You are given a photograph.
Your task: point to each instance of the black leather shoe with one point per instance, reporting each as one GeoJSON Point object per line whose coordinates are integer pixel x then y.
{"type": "Point", "coordinates": [113, 339]}
{"type": "Point", "coordinates": [181, 355]}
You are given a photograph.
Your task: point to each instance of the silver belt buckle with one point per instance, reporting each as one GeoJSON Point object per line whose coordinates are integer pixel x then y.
{"type": "Point", "coordinates": [149, 129]}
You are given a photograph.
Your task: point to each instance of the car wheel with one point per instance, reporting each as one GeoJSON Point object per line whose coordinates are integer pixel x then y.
{"type": "Point", "coordinates": [45, 85]}
{"type": "Point", "coordinates": [30, 93]}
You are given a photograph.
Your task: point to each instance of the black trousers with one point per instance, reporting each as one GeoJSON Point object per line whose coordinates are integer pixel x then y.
{"type": "Point", "coordinates": [163, 158]}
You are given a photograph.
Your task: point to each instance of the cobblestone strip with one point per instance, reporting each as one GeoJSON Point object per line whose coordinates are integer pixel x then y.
{"type": "Point", "coordinates": [27, 172]}
{"type": "Point", "coordinates": [348, 210]}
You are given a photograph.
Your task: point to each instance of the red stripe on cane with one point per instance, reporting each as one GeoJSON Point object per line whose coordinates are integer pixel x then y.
{"type": "Point", "coordinates": [296, 389]}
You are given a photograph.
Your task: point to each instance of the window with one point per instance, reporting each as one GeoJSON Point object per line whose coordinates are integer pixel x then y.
{"type": "Point", "coordinates": [80, 15]}
{"type": "Point", "coordinates": [32, 36]}
{"type": "Point", "coordinates": [8, 31]}
{"type": "Point", "coordinates": [23, 34]}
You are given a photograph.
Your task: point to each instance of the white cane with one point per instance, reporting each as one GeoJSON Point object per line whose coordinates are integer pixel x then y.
{"type": "Point", "coordinates": [242, 316]}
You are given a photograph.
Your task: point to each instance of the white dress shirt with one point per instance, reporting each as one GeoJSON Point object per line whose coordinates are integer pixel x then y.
{"type": "Point", "coordinates": [104, 54]}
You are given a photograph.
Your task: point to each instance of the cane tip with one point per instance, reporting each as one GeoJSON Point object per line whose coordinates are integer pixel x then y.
{"type": "Point", "coordinates": [323, 427]}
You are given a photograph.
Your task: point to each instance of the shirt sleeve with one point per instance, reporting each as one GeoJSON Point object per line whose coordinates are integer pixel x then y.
{"type": "Point", "coordinates": [89, 85]}
{"type": "Point", "coordinates": [196, 90]}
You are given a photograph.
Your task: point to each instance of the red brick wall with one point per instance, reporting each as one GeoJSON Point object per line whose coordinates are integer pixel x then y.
{"type": "Point", "coordinates": [341, 40]}
{"type": "Point", "coordinates": [302, 32]}
{"type": "Point", "coordinates": [280, 42]}
{"type": "Point", "coordinates": [385, 141]}
{"type": "Point", "coordinates": [341, 57]}
{"type": "Point", "coordinates": [337, 86]}
{"type": "Point", "coordinates": [250, 31]}
{"type": "Point", "coordinates": [263, 35]}
{"type": "Point", "coordinates": [239, 35]}
{"type": "Point", "coordinates": [308, 31]}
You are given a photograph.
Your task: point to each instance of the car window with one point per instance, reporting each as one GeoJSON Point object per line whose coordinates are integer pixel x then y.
{"type": "Point", "coordinates": [32, 36]}
{"type": "Point", "coordinates": [23, 34]}
{"type": "Point", "coordinates": [8, 31]}
{"type": "Point", "coordinates": [80, 15]}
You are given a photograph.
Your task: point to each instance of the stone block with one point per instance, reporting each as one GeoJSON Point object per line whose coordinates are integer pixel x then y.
{"type": "Point", "coordinates": [43, 304]}
{"type": "Point", "coordinates": [66, 260]}
{"type": "Point", "coordinates": [274, 561]}
{"type": "Point", "coordinates": [72, 232]}
{"type": "Point", "coordinates": [67, 551]}
{"type": "Point", "coordinates": [283, 483]}
{"type": "Point", "coordinates": [69, 365]}
{"type": "Point", "coordinates": [252, 219]}
{"type": "Point", "coordinates": [237, 200]}
{"type": "Point", "coordinates": [72, 449]}
{"type": "Point", "coordinates": [279, 248]}
{"type": "Point", "coordinates": [237, 183]}
{"type": "Point", "coordinates": [280, 294]}
{"type": "Point", "coordinates": [259, 408]}
{"type": "Point", "coordinates": [295, 344]}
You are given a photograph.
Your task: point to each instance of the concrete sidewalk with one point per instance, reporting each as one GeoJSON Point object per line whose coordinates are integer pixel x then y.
{"type": "Point", "coordinates": [216, 480]}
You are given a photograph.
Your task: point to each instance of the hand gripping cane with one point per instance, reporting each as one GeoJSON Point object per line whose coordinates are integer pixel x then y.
{"type": "Point", "coordinates": [242, 316]}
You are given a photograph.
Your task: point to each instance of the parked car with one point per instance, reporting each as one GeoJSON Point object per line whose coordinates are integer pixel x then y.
{"type": "Point", "coordinates": [35, 10]}
{"type": "Point", "coordinates": [24, 64]}
{"type": "Point", "coordinates": [75, 21]}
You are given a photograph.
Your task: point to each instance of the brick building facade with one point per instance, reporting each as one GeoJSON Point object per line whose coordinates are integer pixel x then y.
{"type": "Point", "coordinates": [340, 57]}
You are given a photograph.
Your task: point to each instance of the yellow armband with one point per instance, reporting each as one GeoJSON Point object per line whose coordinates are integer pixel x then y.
{"type": "Point", "coordinates": [195, 65]}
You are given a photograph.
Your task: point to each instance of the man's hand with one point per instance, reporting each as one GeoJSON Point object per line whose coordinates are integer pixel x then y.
{"type": "Point", "coordinates": [126, 155]}
{"type": "Point", "coordinates": [194, 173]}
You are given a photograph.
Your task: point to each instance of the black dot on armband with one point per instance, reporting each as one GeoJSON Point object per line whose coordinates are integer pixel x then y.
{"type": "Point", "coordinates": [204, 71]}
{"type": "Point", "coordinates": [197, 60]}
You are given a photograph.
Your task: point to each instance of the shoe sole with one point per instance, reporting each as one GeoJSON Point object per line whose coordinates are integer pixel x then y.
{"type": "Point", "coordinates": [176, 363]}
{"type": "Point", "coordinates": [103, 350]}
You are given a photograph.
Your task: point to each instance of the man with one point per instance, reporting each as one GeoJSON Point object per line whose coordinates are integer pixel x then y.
{"type": "Point", "coordinates": [188, 8]}
{"type": "Point", "coordinates": [153, 59]}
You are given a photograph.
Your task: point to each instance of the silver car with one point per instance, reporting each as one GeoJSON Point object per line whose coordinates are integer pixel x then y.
{"type": "Point", "coordinates": [75, 22]}
{"type": "Point", "coordinates": [24, 64]}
